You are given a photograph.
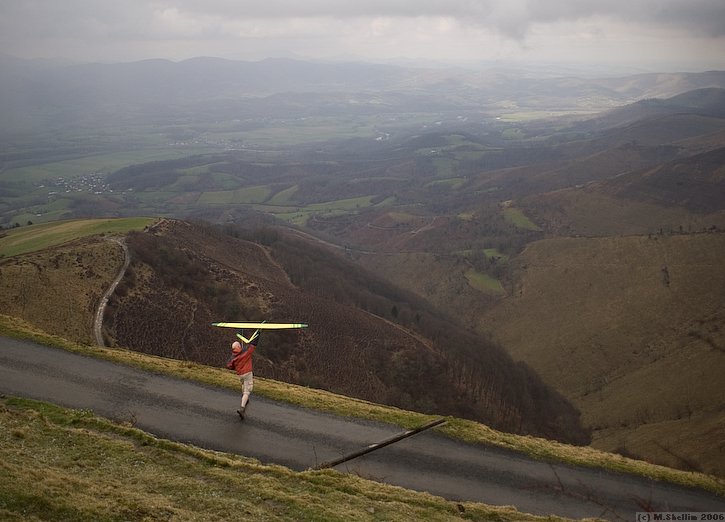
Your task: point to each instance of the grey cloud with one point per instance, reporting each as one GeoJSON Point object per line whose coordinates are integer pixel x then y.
{"type": "Point", "coordinates": [72, 18]}
{"type": "Point", "coordinates": [698, 17]}
{"type": "Point", "coordinates": [513, 17]}
{"type": "Point", "coordinates": [182, 28]}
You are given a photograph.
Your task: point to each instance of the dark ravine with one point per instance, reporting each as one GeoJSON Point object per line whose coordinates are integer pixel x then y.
{"type": "Point", "coordinates": [300, 439]}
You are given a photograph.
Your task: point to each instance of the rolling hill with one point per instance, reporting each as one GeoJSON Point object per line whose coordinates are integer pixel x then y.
{"type": "Point", "coordinates": [695, 183]}
{"type": "Point", "coordinates": [631, 330]}
{"type": "Point", "coordinates": [36, 95]}
{"type": "Point", "coordinates": [682, 195]}
{"type": "Point", "coordinates": [619, 306]}
{"type": "Point", "coordinates": [589, 251]}
{"type": "Point", "coordinates": [601, 317]}
{"type": "Point", "coordinates": [705, 102]}
{"type": "Point", "coordinates": [368, 339]}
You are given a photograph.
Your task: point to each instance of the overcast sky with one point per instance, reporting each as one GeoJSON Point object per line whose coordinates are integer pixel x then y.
{"type": "Point", "coordinates": [664, 35]}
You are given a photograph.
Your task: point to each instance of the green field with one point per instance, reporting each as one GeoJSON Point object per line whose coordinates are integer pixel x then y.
{"type": "Point", "coordinates": [341, 204]}
{"type": "Point", "coordinates": [450, 182]}
{"type": "Point", "coordinates": [289, 134]}
{"type": "Point", "coordinates": [89, 164]}
{"type": "Point", "coordinates": [296, 218]}
{"type": "Point", "coordinates": [513, 134]}
{"type": "Point", "coordinates": [242, 196]}
{"type": "Point", "coordinates": [283, 132]}
{"type": "Point", "coordinates": [490, 253]}
{"type": "Point", "coordinates": [46, 214]}
{"type": "Point", "coordinates": [299, 215]}
{"type": "Point", "coordinates": [284, 197]}
{"type": "Point", "coordinates": [484, 282]}
{"type": "Point", "coordinates": [36, 237]}
{"type": "Point", "coordinates": [47, 189]}
{"type": "Point", "coordinates": [446, 158]}
{"type": "Point", "coordinates": [494, 253]}
{"type": "Point", "coordinates": [528, 116]}
{"type": "Point", "coordinates": [517, 217]}
{"type": "Point", "coordinates": [444, 166]}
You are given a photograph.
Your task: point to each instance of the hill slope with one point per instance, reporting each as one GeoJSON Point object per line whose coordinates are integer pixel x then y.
{"type": "Point", "coordinates": [183, 277]}
{"type": "Point", "coordinates": [683, 195]}
{"type": "Point", "coordinates": [631, 330]}
{"type": "Point", "coordinates": [705, 102]}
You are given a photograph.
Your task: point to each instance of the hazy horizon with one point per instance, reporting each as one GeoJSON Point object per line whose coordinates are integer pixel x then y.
{"type": "Point", "coordinates": [617, 36]}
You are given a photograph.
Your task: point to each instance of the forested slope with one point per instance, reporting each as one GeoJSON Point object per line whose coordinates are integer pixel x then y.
{"type": "Point", "coordinates": [366, 338]}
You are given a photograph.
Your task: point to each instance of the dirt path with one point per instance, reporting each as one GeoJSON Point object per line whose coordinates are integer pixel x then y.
{"type": "Point", "coordinates": [277, 433]}
{"type": "Point", "coordinates": [98, 320]}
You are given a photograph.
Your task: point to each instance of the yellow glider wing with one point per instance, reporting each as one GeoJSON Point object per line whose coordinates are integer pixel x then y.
{"type": "Point", "coordinates": [261, 326]}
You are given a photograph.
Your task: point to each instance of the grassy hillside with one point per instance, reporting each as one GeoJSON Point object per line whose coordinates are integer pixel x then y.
{"type": "Point", "coordinates": [65, 465]}
{"type": "Point", "coordinates": [26, 239]}
{"type": "Point", "coordinates": [631, 330]}
{"type": "Point", "coordinates": [55, 274]}
{"type": "Point", "coordinates": [59, 288]}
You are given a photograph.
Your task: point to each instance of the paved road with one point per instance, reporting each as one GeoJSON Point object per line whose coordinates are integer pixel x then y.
{"type": "Point", "coordinates": [298, 438]}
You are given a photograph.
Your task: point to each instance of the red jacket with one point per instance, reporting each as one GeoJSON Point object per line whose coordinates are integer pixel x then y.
{"type": "Point", "coordinates": [242, 362]}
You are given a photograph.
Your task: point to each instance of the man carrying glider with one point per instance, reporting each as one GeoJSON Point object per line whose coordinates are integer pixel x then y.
{"type": "Point", "coordinates": [241, 362]}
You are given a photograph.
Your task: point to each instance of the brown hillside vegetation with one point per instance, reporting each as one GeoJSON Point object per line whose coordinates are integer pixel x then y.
{"type": "Point", "coordinates": [695, 183]}
{"type": "Point", "coordinates": [590, 211]}
{"type": "Point", "coordinates": [438, 278]}
{"type": "Point", "coordinates": [684, 195]}
{"type": "Point", "coordinates": [184, 276]}
{"type": "Point", "coordinates": [58, 289]}
{"type": "Point", "coordinates": [641, 145]}
{"type": "Point", "coordinates": [632, 330]}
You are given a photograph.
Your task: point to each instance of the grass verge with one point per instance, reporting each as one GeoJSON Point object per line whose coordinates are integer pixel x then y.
{"type": "Point", "coordinates": [462, 429]}
{"type": "Point", "coordinates": [60, 464]}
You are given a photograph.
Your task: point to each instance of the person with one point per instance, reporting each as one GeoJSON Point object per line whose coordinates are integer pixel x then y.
{"type": "Point", "coordinates": [241, 363]}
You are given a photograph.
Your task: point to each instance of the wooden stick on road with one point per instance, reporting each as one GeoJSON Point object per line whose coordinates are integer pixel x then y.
{"type": "Point", "coordinates": [378, 445]}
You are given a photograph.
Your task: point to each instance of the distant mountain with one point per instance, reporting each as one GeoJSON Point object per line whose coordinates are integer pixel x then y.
{"type": "Point", "coordinates": [663, 85]}
{"type": "Point", "coordinates": [705, 102]}
{"type": "Point", "coordinates": [36, 94]}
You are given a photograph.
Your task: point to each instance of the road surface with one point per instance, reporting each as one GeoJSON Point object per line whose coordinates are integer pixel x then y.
{"type": "Point", "coordinates": [278, 433]}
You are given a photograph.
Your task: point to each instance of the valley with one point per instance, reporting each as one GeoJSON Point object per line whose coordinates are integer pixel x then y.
{"type": "Point", "coordinates": [563, 272]}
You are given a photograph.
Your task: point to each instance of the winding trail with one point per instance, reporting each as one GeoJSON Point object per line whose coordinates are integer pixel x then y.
{"type": "Point", "coordinates": [277, 433]}
{"type": "Point", "coordinates": [98, 320]}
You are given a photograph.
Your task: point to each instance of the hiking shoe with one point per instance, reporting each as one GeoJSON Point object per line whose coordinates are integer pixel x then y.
{"type": "Point", "coordinates": [241, 413]}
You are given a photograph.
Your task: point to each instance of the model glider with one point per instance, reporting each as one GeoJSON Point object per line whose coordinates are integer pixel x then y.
{"type": "Point", "coordinates": [261, 326]}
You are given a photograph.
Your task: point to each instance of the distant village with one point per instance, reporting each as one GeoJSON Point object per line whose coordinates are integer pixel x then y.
{"type": "Point", "coordinates": [94, 183]}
